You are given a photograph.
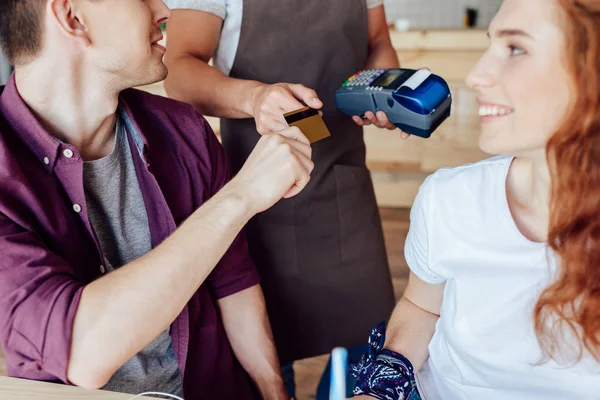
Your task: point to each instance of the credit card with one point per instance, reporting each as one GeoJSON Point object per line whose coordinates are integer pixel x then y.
{"type": "Point", "coordinates": [309, 121]}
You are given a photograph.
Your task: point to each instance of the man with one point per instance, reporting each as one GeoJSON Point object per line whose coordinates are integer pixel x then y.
{"type": "Point", "coordinates": [321, 255]}
{"type": "Point", "coordinates": [122, 267]}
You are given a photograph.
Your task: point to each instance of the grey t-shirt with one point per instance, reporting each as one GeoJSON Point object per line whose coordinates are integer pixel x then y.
{"type": "Point", "coordinates": [118, 215]}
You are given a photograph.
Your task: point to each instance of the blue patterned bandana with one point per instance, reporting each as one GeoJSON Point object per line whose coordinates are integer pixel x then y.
{"type": "Point", "coordinates": [384, 374]}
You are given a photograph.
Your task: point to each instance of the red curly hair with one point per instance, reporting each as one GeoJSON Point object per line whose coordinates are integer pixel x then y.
{"type": "Point", "coordinates": [573, 300]}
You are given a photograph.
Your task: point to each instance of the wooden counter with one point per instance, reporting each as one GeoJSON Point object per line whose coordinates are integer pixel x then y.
{"type": "Point", "coordinates": [399, 167]}
{"type": "Point", "coordinates": [20, 389]}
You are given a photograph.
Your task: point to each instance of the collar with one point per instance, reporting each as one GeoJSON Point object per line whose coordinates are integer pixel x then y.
{"type": "Point", "coordinates": [47, 149]}
{"type": "Point", "coordinates": [27, 127]}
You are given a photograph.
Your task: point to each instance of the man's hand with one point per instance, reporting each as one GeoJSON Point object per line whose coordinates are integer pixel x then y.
{"type": "Point", "coordinates": [268, 103]}
{"type": "Point", "coordinates": [278, 167]}
{"type": "Point", "coordinates": [380, 120]}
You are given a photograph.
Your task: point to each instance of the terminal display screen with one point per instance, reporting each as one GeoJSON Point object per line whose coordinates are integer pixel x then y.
{"type": "Point", "coordinates": [391, 78]}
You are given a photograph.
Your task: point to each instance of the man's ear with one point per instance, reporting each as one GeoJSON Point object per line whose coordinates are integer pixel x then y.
{"type": "Point", "coordinates": [69, 19]}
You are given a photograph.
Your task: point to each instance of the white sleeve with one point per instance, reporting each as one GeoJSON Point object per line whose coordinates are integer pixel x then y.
{"type": "Point", "coordinates": [374, 3]}
{"type": "Point", "coordinates": [418, 244]}
{"type": "Point", "coordinates": [216, 7]}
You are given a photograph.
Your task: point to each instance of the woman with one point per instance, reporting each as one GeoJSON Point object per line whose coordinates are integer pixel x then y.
{"type": "Point", "coordinates": [504, 294]}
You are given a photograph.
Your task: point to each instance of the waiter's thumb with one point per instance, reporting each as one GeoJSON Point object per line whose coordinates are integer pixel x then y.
{"type": "Point", "coordinates": [307, 95]}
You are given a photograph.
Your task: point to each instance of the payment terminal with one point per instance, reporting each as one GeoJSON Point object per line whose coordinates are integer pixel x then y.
{"type": "Point", "coordinates": [416, 101]}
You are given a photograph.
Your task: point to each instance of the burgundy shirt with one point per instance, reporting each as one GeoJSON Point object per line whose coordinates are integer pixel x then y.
{"type": "Point", "coordinates": [49, 252]}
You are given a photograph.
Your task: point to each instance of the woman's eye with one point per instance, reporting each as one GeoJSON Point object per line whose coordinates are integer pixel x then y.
{"type": "Point", "coordinates": [516, 51]}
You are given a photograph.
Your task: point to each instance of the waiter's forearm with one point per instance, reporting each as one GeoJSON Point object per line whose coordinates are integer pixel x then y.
{"type": "Point", "coordinates": [211, 92]}
{"type": "Point", "coordinates": [124, 311]}
{"type": "Point", "coordinates": [249, 331]}
{"type": "Point", "coordinates": [382, 55]}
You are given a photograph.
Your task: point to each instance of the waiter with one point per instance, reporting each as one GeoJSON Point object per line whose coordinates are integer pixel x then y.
{"type": "Point", "coordinates": [321, 254]}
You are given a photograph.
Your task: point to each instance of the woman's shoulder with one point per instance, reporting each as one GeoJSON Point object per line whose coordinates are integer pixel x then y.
{"type": "Point", "coordinates": [467, 188]}
{"type": "Point", "coordinates": [473, 175]}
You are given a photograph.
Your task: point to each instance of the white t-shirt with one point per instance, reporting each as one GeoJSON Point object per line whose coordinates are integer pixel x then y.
{"type": "Point", "coordinates": [484, 347]}
{"type": "Point", "coordinates": [231, 12]}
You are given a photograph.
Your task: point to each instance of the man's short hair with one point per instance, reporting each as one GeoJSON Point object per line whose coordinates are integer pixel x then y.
{"type": "Point", "coordinates": [21, 26]}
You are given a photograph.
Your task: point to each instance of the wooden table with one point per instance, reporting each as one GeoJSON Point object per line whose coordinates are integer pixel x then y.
{"type": "Point", "coordinates": [20, 389]}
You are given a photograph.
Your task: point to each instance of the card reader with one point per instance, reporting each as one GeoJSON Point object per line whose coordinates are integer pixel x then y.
{"type": "Point", "coordinates": [416, 101]}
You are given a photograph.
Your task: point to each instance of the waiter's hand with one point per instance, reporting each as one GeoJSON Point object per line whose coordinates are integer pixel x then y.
{"type": "Point", "coordinates": [380, 120]}
{"type": "Point", "coordinates": [279, 167]}
{"type": "Point", "coordinates": [270, 102]}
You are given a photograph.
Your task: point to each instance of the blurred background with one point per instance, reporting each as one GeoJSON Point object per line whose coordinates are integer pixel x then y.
{"type": "Point", "coordinates": [426, 14]}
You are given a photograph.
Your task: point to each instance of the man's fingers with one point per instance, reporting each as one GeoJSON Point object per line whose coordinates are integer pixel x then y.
{"type": "Point", "coordinates": [382, 118]}
{"type": "Point", "coordinates": [278, 100]}
{"type": "Point", "coordinates": [287, 101]}
{"type": "Point", "coordinates": [302, 177]}
{"type": "Point", "coordinates": [304, 158]}
{"type": "Point", "coordinates": [369, 116]}
{"type": "Point", "coordinates": [383, 121]}
{"type": "Point", "coordinates": [307, 95]}
{"type": "Point", "coordinates": [294, 133]}
{"type": "Point", "coordinates": [358, 120]}
{"type": "Point", "coordinates": [270, 123]}
{"type": "Point", "coordinates": [302, 149]}
{"type": "Point", "coordinates": [294, 190]}
{"type": "Point", "coordinates": [379, 119]}
{"type": "Point", "coordinates": [298, 187]}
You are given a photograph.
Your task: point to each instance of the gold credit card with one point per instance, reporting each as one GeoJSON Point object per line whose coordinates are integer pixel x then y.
{"type": "Point", "coordinates": [310, 123]}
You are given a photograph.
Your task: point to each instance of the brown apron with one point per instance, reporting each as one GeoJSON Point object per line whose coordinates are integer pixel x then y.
{"type": "Point", "coordinates": [321, 254]}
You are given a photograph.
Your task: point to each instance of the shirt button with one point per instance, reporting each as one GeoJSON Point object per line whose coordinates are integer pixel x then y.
{"type": "Point", "coordinates": [46, 160]}
{"type": "Point", "coordinates": [102, 269]}
{"type": "Point", "coordinates": [68, 153]}
{"type": "Point", "coordinates": [77, 208]}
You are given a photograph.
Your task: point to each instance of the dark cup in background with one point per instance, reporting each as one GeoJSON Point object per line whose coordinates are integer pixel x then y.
{"type": "Point", "coordinates": [471, 15]}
